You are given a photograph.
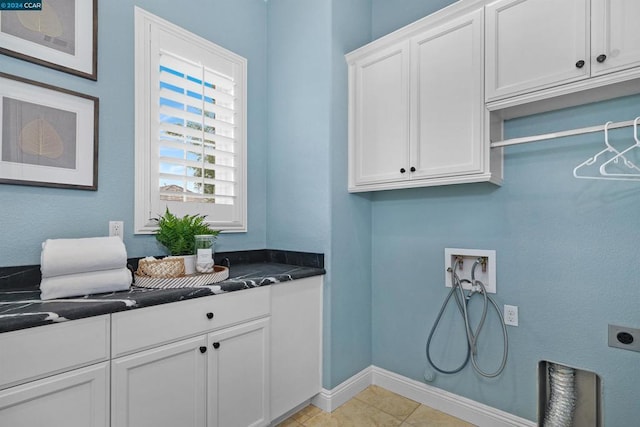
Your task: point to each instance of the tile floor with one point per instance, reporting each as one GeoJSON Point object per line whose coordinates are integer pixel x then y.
{"type": "Point", "coordinates": [375, 407]}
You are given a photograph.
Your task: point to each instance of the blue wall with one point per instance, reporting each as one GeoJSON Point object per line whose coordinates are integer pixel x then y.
{"type": "Point", "coordinates": [308, 205]}
{"type": "Point", "coordinates": [565, 247]}
{"type": "Point", "coordinates": [29, 215]}
{"type": "Point", "coordinates": [349, 296]}
{"type": "Point", "coordinates": [388, 16]}
{"type": "Point", "coordinates": [566, 256]}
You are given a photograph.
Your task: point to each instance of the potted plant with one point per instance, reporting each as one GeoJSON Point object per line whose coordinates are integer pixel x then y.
{"type": "Point", "coordinates": [177, 235]}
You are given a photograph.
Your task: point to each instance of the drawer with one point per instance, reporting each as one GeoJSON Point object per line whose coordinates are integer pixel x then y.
{"type": "Point", "coordinates": [33, 353]}
{"type": "Point", "coordinates": [148, 327]}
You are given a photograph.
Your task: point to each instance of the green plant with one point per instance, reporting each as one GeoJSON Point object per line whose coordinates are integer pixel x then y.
{"type": "Point", "coordinates": [178, 234]}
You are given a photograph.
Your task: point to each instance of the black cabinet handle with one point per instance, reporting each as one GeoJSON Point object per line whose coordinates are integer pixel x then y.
{"type": "Point", "coordinates": [580, 64]}
{"type": "Point", "coordinates": [209, 315]}
{"type": "Point", "coordinates": [203, 349]}
{"type": "Point", "coordinates": [216, 345]}
{"type": "Point", "coordinates": [412, 169]}
{"type": "Point", "coordinates": [601, 58]}
{"type": "Point", "coordinates": [402, 170]}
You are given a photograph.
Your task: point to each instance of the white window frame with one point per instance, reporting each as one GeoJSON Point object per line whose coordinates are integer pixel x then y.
{"type": "Point", "coordinates": [147, 199]}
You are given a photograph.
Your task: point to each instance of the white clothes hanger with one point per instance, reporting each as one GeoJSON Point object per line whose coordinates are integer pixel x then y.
{"type": "Point", "coordinates": [634, 172]}
{"type": "Point", "coordinates": [609, 153]}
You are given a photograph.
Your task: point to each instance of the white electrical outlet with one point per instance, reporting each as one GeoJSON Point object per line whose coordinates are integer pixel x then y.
{"type": "Point", "coordinates": [511, 315]}
{"type": "Point", "coordinates": [116, 228]}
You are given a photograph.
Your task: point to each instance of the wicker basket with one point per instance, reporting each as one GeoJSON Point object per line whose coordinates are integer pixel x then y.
{"type": "Point", "coordinates": [166, 268]}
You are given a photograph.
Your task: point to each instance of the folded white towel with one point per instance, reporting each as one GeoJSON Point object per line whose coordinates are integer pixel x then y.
{"type": "Point", "coordinates": [70, 256]}
{"type": "Point", "coordinates": [81, 284]}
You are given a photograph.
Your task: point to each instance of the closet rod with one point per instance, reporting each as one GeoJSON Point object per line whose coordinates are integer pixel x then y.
{"type": "Point", "coordinates": [553, 135]}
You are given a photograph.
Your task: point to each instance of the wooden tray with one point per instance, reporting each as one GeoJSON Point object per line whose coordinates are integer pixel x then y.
{"type": "Point", "coordinates": [197, 280]}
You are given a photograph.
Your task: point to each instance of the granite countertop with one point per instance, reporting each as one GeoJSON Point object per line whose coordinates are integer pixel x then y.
{"type": "Point", "coordinates": [21, 307]}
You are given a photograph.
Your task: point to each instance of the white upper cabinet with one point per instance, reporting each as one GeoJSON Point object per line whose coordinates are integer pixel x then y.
{"type": "Point", "coordinates": [416, 107]}
{"type": "Point", "coordinates": [448, 113]}
{"type": "Point", "coordinates": [533, 44]}
{"type": "Point", "coordinates": [380, 115]}
{"type": "Point", "coordinates": [538, 44]}
{"type": "Point", "coordinates": [615, 34]}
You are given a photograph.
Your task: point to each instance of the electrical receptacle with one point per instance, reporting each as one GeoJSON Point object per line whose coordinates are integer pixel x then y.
{"type": "Point", "coordinates": [116, 228]}
{"type": "Point", "coordinates": [511, 315]}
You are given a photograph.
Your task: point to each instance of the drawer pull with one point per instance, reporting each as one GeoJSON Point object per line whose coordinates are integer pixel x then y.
{"type": "Point", "coordinates": [216, 345]}
{"type": "Point", "coordinates": [209, 315]}
{"type": "Point", "coordinates": [203, 349]}
{"type": "Point", "coordinates": [601, 58]}
{"type": "Point", "coordinates": [580, 64]}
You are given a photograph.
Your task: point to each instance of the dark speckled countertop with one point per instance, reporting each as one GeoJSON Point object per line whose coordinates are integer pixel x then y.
{"type": "Point", "coordinates": [21, 307]}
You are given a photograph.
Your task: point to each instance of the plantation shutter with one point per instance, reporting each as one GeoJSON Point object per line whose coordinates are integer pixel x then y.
{"type": "Point", "coordinates": [197, 129]}
{"type": "Point", "coordinates": [196, 142]}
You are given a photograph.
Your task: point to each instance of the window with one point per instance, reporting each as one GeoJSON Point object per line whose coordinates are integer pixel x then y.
{"type": "Point", "coordinates": [190, 127]}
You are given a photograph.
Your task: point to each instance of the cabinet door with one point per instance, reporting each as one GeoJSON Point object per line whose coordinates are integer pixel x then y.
{"type": "Point", "coordinates": [78, 398]}
{"type": "Point", "coordinates": [296, 343]}
{"type": "Point", "coordinates": [379, 117]}
{"type": "Point", "coordinates": [165, 386]}
{"type": "Point", "coordinates": [615, 35]}
{"type": "Point", "coordinates": [239, 376]}
{"type": "Point", "coordinates": [448, 103]}
{"type": "Point", "coordinates": [534, 44]}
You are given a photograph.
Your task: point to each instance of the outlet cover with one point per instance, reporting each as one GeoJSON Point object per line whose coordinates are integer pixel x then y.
{"type": "Point", "coordinates": [511, 315]}
{"type": "Point", "coordinates": [624, 337]}
{"type": "Point", "coordinates": [116, 228]}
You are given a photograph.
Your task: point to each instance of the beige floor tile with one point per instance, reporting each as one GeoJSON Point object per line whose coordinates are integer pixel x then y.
{"type": "Point", "coordinates": [354, 413]}
{"type": "Point", "coordinates": [290, 422]}
{"type": "Point", "coordinates": [429, 417]}
{"type": "Point", "coordinates": [306, 413]}
{"type": "Point", "coordinates": [389, 402]}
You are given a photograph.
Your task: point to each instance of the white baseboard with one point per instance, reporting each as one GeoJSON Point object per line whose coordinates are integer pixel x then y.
{"type": "Point", "coordinates": [457, 406]}
{"type": "Point", "coordinates": [329, 400]}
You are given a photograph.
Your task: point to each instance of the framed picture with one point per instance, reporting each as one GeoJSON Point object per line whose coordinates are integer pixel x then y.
{"type": "Point", "coordinates": [48, 135]}
{"type": "Point", "coordinates": [63, 35]}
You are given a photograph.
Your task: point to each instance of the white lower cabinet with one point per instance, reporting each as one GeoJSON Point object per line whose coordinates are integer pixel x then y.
{"type": "Point", "coordinates": [207, 362]}
{"type": "Point", "coordinates": [296, 343]}
{"type": "Point", "coordinates": [56, 375]}
{"type": "Point", "coordinates": [238, 386]}
{"type": "Point", "coordinates": [203, 362]}
{"type": "Point", "coordinates": [79, 398]}
{"type": "Point", "coordinates": [164, 386]}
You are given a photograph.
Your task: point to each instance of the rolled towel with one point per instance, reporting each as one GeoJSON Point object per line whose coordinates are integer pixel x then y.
{"type": "Point", "coordinates": [60, 257]}
{"type": "Point", "coordinates": [81, 284]}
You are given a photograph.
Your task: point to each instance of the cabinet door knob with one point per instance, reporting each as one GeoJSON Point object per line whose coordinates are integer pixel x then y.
{"type": "Point", "coordinates": [402, 170]}
{"type": "Point", "coordinates": [203, 349]}
{"type": "Point", "coordinates": [209, 315]}
{"type": "Point", "coordinates": [580, 64]}
{"type": "Point", "coordinates": [601, 58]}
{"type": "Point", "coordinates": [412, 169]}
{"type": "Point", "coordinates": [216, 345]}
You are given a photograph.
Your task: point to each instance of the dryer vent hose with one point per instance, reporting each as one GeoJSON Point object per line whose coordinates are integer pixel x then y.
{"type": "Point", "coordinates": [562, 399]}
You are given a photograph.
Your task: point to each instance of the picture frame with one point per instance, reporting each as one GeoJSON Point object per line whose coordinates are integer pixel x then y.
{"type": "Point", "coordinates": [63, 36]}
{"type": "Point", "coordinates": [48, 135]}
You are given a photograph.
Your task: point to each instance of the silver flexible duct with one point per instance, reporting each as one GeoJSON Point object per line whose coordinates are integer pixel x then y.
{"type": "Point", "coordinates": [562, 399]}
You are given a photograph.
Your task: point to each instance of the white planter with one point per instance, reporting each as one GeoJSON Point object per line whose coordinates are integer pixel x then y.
{"type": "Point", "coordinates": [189, 263]}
